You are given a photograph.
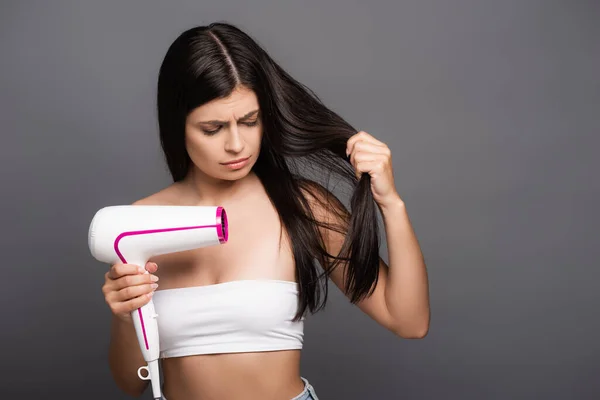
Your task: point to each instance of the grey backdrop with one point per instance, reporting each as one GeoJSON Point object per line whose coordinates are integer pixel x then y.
{"type": "Point", "coordinates": [491, 109]}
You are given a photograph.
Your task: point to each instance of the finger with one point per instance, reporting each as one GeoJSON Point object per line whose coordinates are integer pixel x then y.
{"type": "Point", "coordinates": [368, 152]}
{"type": "Point", "coordinates": [363, 156]}
{"type": "Point", "coordinates": [353, 150]}
{"type": "Point", "coordinates": [133, 280]}
{"type": "Point", "coordinates": [117, 291]}
{"type": "Point", "coordinates": [357, 157]}
{"type": "Point", "coordinates": [369, 167]}
{"type": "Point", "coordinates": [351, 142]}
{"type": "Point", "coordinates": [118, 270]}
{"type": "Point", "coordinates": [366, 146]}
{"type": "Point", "coordinates": [131, 292]}
{"type": "Point", "coordinates": [132, 304]}
{"type": "Point", "coordinates": [151, 267]}
{"type": "Point", "coordinates": [367, 143]}
{"type": "Point", "coordinates": [370, 138]}
{"type": "Point", "coordinates": [362, 136]}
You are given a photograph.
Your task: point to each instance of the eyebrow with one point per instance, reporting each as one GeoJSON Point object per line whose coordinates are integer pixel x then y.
{"type": "Point", "coordinates": [215, 122]}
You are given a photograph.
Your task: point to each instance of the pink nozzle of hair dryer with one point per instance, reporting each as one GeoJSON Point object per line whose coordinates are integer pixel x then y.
{"type": "Point", "coordinates": [222, 226]}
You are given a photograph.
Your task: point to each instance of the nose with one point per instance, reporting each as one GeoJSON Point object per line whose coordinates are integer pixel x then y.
{"type": "Point", "coordinates": [234, 142]}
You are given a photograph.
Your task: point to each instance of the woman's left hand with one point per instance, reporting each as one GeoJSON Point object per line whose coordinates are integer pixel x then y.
{"type": "Point", "coordinates": [369, 155]}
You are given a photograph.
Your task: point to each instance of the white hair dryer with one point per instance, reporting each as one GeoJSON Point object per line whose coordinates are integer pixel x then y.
{"type": "Point", "coordinates": [132, 234]}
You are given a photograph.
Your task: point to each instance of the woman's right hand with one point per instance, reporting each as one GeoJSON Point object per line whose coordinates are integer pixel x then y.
{"type": "Point", "coordinates": [127, 287]}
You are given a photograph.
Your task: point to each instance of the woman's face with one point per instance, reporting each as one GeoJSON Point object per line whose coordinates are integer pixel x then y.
{"type": "Point", "coordinates": [223, 136]}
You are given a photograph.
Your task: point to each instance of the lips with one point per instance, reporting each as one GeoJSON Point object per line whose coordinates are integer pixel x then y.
{"type": "Point", "coordinates": [239, 160]}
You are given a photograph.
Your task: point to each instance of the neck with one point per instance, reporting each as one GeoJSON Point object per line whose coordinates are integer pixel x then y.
{"type": "Point", "coordinates": [205, 190]}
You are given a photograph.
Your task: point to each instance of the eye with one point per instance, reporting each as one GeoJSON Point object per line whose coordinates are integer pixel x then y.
{"type": "Point", "coordinates": [252, 123]}
{"type": "Point", "coordinates": [211, 132]}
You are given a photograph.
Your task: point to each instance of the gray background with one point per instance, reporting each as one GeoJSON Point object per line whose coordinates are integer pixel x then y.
{"type": "Point", "coordinates": [491, 109]}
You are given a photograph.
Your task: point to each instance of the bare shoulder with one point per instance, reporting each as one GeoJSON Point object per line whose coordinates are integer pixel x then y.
{"type": "Point", "coordinates": [167, 196]}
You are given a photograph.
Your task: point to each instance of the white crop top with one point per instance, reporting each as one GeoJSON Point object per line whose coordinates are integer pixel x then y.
{"type": "Point", "coordinates": [230, 317]}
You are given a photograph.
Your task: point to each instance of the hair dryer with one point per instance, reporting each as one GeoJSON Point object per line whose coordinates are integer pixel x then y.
{"type": "Point", "coordinates": [132, 234]}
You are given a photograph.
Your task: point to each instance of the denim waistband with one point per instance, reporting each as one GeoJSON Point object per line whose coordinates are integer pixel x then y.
{"type": "Point", "coordinates": [307, 394]}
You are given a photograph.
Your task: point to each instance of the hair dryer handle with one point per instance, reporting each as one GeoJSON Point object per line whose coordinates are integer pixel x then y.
{"type": "Point", "coordinates": [146, 328]}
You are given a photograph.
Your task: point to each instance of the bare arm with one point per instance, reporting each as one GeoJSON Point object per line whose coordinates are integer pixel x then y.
{"type": "Point", "coordinates": [400, 301]}
{"type": "Point", "coordinates": [125, 357]}
{"type": "Point", "coordinates": [406, 291]}
{"type": "Point", "coordinates": [402, 298]}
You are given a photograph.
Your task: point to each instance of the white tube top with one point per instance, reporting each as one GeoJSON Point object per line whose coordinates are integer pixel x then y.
{"type": "Point", "coordinates": [230, 317]}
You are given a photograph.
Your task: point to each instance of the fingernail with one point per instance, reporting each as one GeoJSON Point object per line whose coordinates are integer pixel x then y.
{"type": "Point", "coordinates": [154, 286]}
{"type": "Point", "coordinates": [141, 269]}
{"type": "Point", "coordinates": [154, 278]}
{"type": "Point", "coordinates": [150, 294]}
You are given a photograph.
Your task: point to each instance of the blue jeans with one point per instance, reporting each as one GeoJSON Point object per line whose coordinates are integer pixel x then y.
{"type": "Point", "coordinates": [307, 394]}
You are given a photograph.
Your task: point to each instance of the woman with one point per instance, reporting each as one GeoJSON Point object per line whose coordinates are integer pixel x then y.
{"type": "Point", "coordinates": [236, 129]}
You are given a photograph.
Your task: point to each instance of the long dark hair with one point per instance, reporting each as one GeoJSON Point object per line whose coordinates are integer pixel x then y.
{"type": "Point", "coordinates": [208, 62]}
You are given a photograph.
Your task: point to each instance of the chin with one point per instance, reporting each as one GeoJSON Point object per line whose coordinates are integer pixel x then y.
{"type": "Point", "coordinates": [236, 175]}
